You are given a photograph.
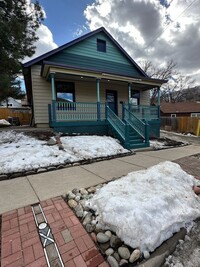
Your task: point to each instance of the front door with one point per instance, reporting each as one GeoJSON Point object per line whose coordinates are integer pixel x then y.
{"type": "Point", "coordinates": [111, 99]}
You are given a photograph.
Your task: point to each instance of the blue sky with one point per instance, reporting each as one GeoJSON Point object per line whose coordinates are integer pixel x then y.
{"type": "Point", "coordinates": [64, 17]}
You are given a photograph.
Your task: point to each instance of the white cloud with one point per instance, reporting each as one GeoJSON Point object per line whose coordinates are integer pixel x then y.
{"type": "Point", "coordinates": [152, 29]}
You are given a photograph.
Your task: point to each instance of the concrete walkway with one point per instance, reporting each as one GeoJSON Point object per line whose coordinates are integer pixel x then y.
{"type": "Point", "coordinates": [23, 191]}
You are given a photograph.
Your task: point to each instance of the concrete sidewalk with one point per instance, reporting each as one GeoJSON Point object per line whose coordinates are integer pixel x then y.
{"type": "Point", "coordinates": [27, 190]}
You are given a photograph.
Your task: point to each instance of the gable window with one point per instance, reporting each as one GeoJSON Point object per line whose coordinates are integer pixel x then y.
{"type": "Point", "coordinates": [195, 115]}
{"type": "Point", "coordinates": [65, 95]}
{"type": "Point", "coordinates": [101, 45]}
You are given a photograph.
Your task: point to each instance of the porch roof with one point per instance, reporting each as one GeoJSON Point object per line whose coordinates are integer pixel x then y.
{"type": "Point", "coordinates": [143, 83]}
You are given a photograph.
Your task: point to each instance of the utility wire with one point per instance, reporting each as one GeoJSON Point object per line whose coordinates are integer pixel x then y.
{"type": "Point", "coordinates": [159, 34]}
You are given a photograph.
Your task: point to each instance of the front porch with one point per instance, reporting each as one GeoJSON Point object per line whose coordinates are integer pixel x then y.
{"type": "Point", "coordinates": [132, 127]}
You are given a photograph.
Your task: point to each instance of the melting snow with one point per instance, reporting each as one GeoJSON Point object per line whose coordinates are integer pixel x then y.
{"type": "Point", "coordinates": [146, 207]}
{"type": "Point", "coordinates": [19, 152]}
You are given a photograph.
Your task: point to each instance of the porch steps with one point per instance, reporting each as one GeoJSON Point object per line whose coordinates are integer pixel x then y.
{"type": "Point", "coordinates": [135, 140]}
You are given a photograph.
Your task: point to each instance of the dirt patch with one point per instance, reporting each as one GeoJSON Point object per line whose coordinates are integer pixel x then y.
{"type": "Point", "coordinates": [40, 135]}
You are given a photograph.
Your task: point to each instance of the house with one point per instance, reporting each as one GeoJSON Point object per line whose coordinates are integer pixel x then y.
{"type": "Point", "coordinates": [180, 109]}
{"type": "Point", "coordinates": [11, 103]}
{"type": "Point", "coordinates": [91, 85]}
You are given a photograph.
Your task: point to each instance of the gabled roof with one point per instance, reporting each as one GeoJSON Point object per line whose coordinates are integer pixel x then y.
{"type": "Point", "coordinates": [54, 51]}
{"type": "Point", "coordinates": [181, 107]}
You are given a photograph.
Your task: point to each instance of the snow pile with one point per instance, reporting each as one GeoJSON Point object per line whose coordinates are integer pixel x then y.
{"type": "Point", "coordinates": [146, 207]}
{"type": "Point", "coordinates": [19, 152]}
{"type": "Point", "coordinates": [158, 144]}
{"type": "Point", "coordinates": [4, 123]}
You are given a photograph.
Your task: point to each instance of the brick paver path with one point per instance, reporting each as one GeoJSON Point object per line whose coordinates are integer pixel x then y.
{"type": "Point", "coordinates": [190, 164]}
{"type": "Point", "coordinates": [21, 246]}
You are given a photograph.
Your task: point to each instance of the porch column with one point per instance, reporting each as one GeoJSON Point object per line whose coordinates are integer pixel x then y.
{"type": "Point", "coordinates": [53, 96]}
{"type": "Point", "coordinates": [129, 92]}
{"type": "Point", "coordinates": [53, 86]}
{"type": "Point", "coordinates": [159, 102]}
{"type": "Point", "coordinates": [98, 100]}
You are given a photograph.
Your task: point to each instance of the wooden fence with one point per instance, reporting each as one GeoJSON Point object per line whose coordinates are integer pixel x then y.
{"type": "Point", "coordinates": [180, 124]}
{"type": "Point", "coordinates": [24, 115]}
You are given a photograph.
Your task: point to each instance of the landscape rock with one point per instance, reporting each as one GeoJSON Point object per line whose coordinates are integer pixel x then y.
{"type": "Point", "coordinates": [79, 211]}
{"type": "Point", "coordinates": [94, 237]}
{"type": "Point", "coordinates": [104, 246]}
{"type": "Point", "coordinates": [70, 195]}
{"type": "Point", "coordinates": [91, 190]}
{"type": "Point", "coordinates": [75, 191]}
{"type": "Point", "coordinates": [83, 191]}
{"type": "Point", "coordinates": [135, 255]}
{"type": "Point", "coordinates": [112, 261]}
{"type": "Point", "coordinates": [108, 233]}
{"type": "Point", "coordinates": [88, 218]}
{"type": "Point", "coordinates": [102, 238]}
{"type": "Point", "coordinates": [77, 198]}
{"type": "Point", "coordinates": [89, 228]}
{"type": "Point", "coordinates": [123, 262]}
{"type": "Point", "coordinates": [41, 170]}
{"type": "Point", "coordinates": [51, 142]}
{"type": "Point", "coordinates": [3, 177]}
{"type": "Point", "coordinates": [124, 253]}
{"type": "Point", "coordinates": [116, 256]}
{"type": "Point", "coordinates": [72, 203]}
{"type": "Point", "coordinates": [52, 168]}
{"type": "Point", "coordinates": [109, 251]}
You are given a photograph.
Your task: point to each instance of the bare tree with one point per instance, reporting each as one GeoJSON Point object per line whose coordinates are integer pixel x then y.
{"type": "Point", "coordinates": [173, 90]}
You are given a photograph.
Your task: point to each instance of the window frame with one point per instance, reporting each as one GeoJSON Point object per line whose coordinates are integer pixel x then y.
{"type": "Point", "coordinates": [173, 115]}
{"type": "Point", "coordinates": [101, 45]}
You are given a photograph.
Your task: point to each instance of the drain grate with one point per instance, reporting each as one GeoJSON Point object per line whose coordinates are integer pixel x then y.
{"type": "Point", "coordinates": [49, 245]}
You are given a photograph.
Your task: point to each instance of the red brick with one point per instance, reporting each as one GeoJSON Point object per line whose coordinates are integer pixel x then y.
{"type": "Point", "coordinates": [89, 254]}
{"type": "Point", "coordinates": [70, 254]}
{"type": "Point", "coordinates": [50, 218]}
{"type": "Point", "coordinates": [16, 245]}
{"type": "Point", "coordinates": [29, 236]}
{"type": "Point", "coordinates": [88, 241]}
{"type": "Point", "coordinates": [32, 226]}
{"type": "Point", "coordinates": [80, 244]}
{"type": "Point", "coordinates": [96, 261]}
{"type": "Point", "coordinates": [79, 261]}
{"type": "Point", "coordinates": [49, 207]}
{"type": "Point", "coordinates": [77, 233]}
{"type": "Point", "coordinates": [64, 205]}
{"type": "Point", "coordinates": [21, 211]}
{"type": "Point", "coordinates": [59, 239]}
{"type": "Point", "coordinates": [57, 198]}
{"type": "Point", "coordinates": [66, 247]}
{"type": "Point", "coordinates": [58, 226]}
{"type": "Point", "coordinates": [24, 229]}
{"type": "Point", "coordinates": [14, 223]}
{"type": "Point", "coordinates": [30, 242]}
{"type": "Point", "coordinates": [41, 262]}
{"type": "Point", "coordinates": [49, 202]}
{"type": "Point", "coordinates": [28, 209]}
{"type": "Point", "coordinates": [11, 258]}
{"type": "Point", "coordinates": [6, 216]}
{"type": "Point", "coordinates": [28, 255]}
{"type": "Point", "coordinates": [66, 213]}
{"type": "Point", "coordinates": [68, 222]}
{"type": "Point", "coordinates": [56, 216]}
{"type": "Point", "coordinates": [38, 250]}
{"type": "Point", "coordinates": [25, 216]}
{"type": "Point", "coordinates": [10, 238]}
{"type": "Point", "coordinates": [6, 249]}
{"type": "Point", "coordinates": [58, 206]}
{"type": "Point", "coordinates": [71, 264]}
{"type": "Point", "coordinates": [104, 264]}
{"type": "Point", "coordinates": [6, 226]}
{"type": "Point", "coordinates": [50, 211]}
{"type": "Point", "coordinates": [11, 232]}
{"type": "Point", "coordinates": [27, 220]}
{"type": "Point", "coordinates": [43, 203]}
{"type": "Point", "coordinates": [18, 263]}
{"type": "Point", "coordinates": [74, 220]}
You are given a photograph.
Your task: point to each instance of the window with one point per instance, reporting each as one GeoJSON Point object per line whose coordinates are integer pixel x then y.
{"type": "Point", "coordinates": [65, 95]}
{"type": "Point", "coordinates": [135, 97]}
{"type": "Point", "coordinates": [65, 92]}
{"type": "Point", "coordinates": [9, 105]}
{"type": "Point", "coordinates": [173, 115]}
{"type": "Point", "coordinates": [101, 45]}
{"type": "Point", "coordinates": [195, 115]}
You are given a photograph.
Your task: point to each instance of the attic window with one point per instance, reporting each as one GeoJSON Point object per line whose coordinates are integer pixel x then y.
{"type": "Point", "coordinates": [101, 45]}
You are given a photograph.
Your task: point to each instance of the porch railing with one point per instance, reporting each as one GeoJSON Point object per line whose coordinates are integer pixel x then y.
{"type": "Point", "coordinates": [78, 111]}
{"type": "Point", "coordinates": [116, 123]}
{"type": "Point", "coordinates": [142, 128]}
{"type": "Point", "coordinates": [144, 112]}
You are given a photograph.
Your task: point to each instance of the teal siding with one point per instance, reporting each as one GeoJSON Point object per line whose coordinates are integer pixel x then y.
{"type": "Point", "coordinates": [85, 55]}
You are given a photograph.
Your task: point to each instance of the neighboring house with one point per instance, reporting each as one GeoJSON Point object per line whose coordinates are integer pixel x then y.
{"type": "Point", "coordinates": [11, 103]}
{"type": "Point", "coordinates": [180, 109]}
{"type": "Point", "coordinates": [88, 85]}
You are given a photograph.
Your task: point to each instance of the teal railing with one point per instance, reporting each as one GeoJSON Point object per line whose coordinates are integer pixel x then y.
{"type": "Point", "coordinates": [142, 128]}
{"type": "Point", "coordinates": [116, 123]}
{"type": "Point", "coordinates": [147, 113]}
{"type": "Point", "coordinates": [79, 111]}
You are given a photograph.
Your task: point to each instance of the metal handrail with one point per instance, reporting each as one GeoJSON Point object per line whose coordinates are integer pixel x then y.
{"type": "Point", "coordinates": [116, 123]}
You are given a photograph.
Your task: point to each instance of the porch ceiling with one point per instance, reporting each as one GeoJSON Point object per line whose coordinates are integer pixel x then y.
{"type": "Point", "coordinates": [69, 73]}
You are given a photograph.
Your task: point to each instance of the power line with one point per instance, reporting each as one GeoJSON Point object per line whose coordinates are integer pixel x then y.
{"type": "Point", "coordinates": [159, 34]}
